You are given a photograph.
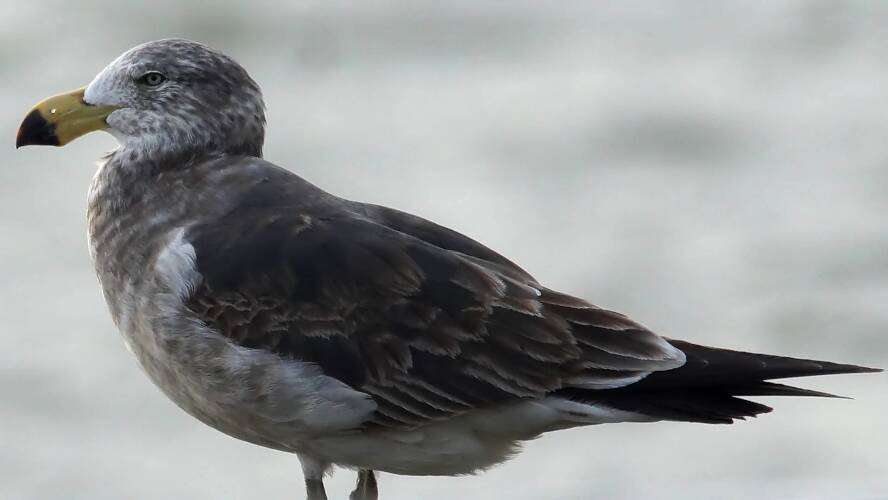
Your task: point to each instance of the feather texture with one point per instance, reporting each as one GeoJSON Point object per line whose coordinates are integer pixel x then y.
{"type": "Point", "coordinates": [705, 389]}
{"type": "Point", "coordinates": [428, 322]}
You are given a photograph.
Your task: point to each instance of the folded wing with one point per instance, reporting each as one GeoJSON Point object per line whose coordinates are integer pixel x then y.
{"type": "Point", "coordinates": [427, 321]}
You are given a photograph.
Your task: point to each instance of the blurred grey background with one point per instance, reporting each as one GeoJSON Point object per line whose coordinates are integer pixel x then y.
{"type": "Point", "coordinates": [718, 170]}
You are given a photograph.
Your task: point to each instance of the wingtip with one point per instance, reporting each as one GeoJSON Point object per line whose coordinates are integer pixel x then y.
{"type": "Point", "coordinates": [861, 369]}
{"type": "Point", "coordinates": [820, 394]}
{"type": "Point", "coordinates": [867, 369]}
{"type": "Point", "coordinates": [829, 368]}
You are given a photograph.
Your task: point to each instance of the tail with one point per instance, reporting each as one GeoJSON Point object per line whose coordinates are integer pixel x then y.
{"type": "Point", "coordinates": [705, 389]}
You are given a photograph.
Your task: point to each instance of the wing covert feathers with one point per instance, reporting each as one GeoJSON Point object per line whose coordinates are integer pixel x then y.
{"type": "Point", "coordinates": [433, 324]}
{"type": "Point", "coordinates": [429, 331]}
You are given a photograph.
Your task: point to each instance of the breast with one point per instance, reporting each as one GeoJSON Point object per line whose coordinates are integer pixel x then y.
{"type": "Point", "coordinates": [147, 269]}
{"type": "Point", "coordinates": [251, 394]}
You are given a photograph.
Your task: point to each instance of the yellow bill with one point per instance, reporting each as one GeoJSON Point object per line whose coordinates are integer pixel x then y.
{"type": "Point", "coordinates": [60, 119]}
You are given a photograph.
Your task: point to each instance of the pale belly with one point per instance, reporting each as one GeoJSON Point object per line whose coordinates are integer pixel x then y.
{"type": "Point", "coordinates": [258, 397]}
{"type": "Point", "coordinates": [438, 449]}
{"type": "Point", "coordinates": [290, 406]}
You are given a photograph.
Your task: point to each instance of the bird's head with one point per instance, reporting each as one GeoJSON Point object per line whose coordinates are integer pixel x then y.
{"type": "Point", "coordinates": [173, 96]}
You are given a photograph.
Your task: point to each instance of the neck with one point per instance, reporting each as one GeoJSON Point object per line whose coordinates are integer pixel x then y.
{"type": "Point", "coordinates": [133, 201]}
{"type": "Point", "coordinates": [151, 155]}
{"type": "Point", "coordinates": [121, 180]}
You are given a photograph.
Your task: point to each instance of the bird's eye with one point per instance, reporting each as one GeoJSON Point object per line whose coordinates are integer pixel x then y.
{"type": "Point", "coordinates": [152, 79]}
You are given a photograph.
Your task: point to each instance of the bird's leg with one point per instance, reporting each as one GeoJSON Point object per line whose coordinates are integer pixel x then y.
{"type": "Point", "coordinates": [366, 487]}
{"type": "Point", "coordinates": [314, 489]}
{"type": "Point", "coordinates": [313, 470]}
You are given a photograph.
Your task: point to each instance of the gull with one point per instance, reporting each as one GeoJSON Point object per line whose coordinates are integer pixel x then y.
{"type": "Point", "coordinates": [347, 333]}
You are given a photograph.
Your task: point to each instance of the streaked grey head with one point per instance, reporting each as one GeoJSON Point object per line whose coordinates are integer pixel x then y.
{"type": "Point", "coordinates": [180, 98]}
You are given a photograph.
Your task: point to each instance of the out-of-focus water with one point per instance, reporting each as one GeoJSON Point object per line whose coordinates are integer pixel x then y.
{"type": "Point", "coordinates": [717, 170]}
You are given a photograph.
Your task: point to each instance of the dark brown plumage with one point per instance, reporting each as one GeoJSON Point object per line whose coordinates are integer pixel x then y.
{"type": "Point", "coordinates": [347, 333]}
{"type": "Point", "coordinates": [429, 331]}
{"type": "Point", "coordinates": [433, 324]}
